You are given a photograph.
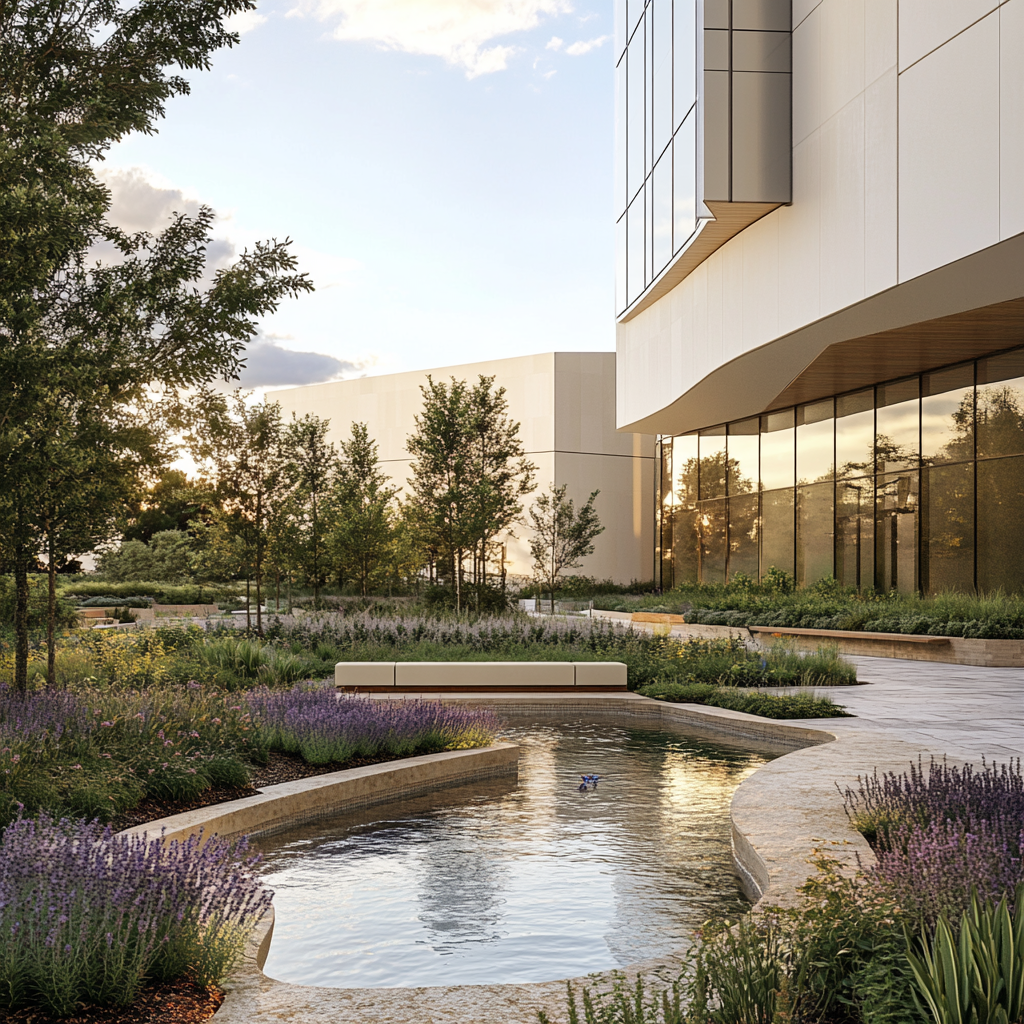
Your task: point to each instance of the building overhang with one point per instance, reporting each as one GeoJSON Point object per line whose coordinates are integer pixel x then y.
{"type": "Point", "coordinates": [960, 311]}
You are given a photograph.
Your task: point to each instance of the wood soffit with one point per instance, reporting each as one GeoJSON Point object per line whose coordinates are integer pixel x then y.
{"type": "Point", "coordinates": [905, 351]}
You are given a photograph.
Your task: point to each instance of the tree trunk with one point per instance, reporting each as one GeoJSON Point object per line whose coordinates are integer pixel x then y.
{"type": "Point", "coordinates": [248, 606]}
{"type": "Point", "coordinates": [277, 591]}
{"type": "Point", "coordinates": [51, 612]}
{"type": "Point", "coordinates": [289, 597]}
{"type": "Point", "coordinates": [21, 622]}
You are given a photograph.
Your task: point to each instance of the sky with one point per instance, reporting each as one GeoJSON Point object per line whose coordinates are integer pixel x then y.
{"type": "Point", "coordinates": [443, 167]}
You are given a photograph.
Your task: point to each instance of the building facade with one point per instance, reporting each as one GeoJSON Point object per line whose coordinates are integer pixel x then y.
{"type": "Point", "coordinates": [564, 403]}
{"type": "Point", "coordinates": [820, 286]}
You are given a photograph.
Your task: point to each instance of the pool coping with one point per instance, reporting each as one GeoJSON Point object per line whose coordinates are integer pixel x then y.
{"type": "Point", "coordinates": [784, 812]}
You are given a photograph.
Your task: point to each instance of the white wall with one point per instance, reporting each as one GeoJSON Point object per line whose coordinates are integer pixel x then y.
{"type": "Point", "coordinates": [908, 154]}
{"type": "Point", "coordinates": [565, 403]}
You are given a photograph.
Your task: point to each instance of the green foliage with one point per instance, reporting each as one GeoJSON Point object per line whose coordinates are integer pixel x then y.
{"type": "Point", "coordinates": [765, 705]}
{"type": "Point", "coordinates": [167, 556]}
{"type": "Point", "coordinates": [978, 976]}
{"type": "Point", "coordinates": [66, 616]}
{"type": "Point", "coordinates": [152, 590]}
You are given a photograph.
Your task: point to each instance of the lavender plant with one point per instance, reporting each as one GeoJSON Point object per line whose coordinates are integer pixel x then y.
{"type": "Point", "coordinates": [88, 916]}
{"type": "Point", "coordinates": [941, 833]}
{"type": "Point", "coordinates": [324, 727]}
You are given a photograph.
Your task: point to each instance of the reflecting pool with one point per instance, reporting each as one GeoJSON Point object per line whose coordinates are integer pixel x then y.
{"type": "Point", "coordinates": [514, 882]}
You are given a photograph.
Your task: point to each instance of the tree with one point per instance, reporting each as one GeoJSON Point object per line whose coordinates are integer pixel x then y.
{"type": "Point", "coordinates": [312, 463]}
{"type": "Point", "coordinates": [168, 557]}
{"type": "Point", "coordinates": [74, 78]}
{"type": "Point", "coordinates": [244, 446]}
{"type": "Point", "coordinates": [363, 506]}
{"type": "Point", "coordinates": [172, 503]}
{"type": "Point", "coordinates": [562, 536]}
{"type": "Point", "coordinates": [442, 475]}
{"type": "Point", "coordinates": [501, 475]}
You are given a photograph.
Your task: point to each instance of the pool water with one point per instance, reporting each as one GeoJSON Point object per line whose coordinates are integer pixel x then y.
{"type": "Point", "coordinates": [504, 882]}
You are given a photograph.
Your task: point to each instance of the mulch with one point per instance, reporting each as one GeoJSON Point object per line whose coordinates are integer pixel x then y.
{"type": "Point", "coordinates": [279, 768]}
{"type": "Point", "coordinates": [171, 1002]}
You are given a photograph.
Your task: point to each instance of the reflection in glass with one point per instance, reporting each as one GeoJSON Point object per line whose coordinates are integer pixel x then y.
{"type": "Point", "coordinates": [621, 300]}
{"type": "Point", "coordinates": [712, 524]}
{"type": "Point", "coordinates": [685, 560]}
{"type": "Point", "coordinates": [661, 12]}
{"type": "Point", "coordinates": [620, 26]}
{"type": "Point", "coordinates": [635, 245]}
{"type": "Point", "coordinates": [1000, 414]}
{"type": "Point", "coordinates": [635, 134]}
{"type": "Point", "coordinates": [1001, 524]}
{"type": "Point", "coordinates": [621, 199]}
{"type": "Point", "coordinates": [777, 450]}
{"type": "Point", "coordinates": [666, 544]}
{"type": "Point", "coordinates": [855, 533]}
{"type": "Point", "coordinates": [815, 439]}
{"type": "Point", "coordinates": [662, 213]}
{"type": "Point", "coordinates": [897, 426]}
{"type": "Point", "coordinates": [744, 535]}
{"type": "Point", "coordinates": [777, 529]}
{"type": "Point", "coordinates": [855, 434]}
{"type": "Point", "coordinates": [684, 203]}
{"type": "Point", "coordinates": [814, 542]}
{"type": "Point", "coordinates": [743, 456]}
{"type": "Point", "coordinates": [947, 528]}
{"type": "Point", "coordinates": [684, 55]}
{"type": "Point", "coordinates": [712, 463]}
{"type": "Point", "coordinates": [896, 501]}
{"type": "Point", "coordinates": [947, 415]}
{"type": "Point", "coordinates": [684, 468]}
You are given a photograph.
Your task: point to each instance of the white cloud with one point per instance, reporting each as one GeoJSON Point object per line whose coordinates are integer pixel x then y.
{"type": "Point", "coordinates": [554, 43]}
{"type": "Point", "coordinates": [457, 30]}
{"type": "Point", "coordinates": [244, 21]}
{"type": "Point", "coordinates": [585, 46]}
{"type": "Point", "coordinates": [140, 202]}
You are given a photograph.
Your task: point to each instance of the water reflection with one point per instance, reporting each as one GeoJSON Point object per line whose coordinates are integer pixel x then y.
{"type": "Point", "coordinates": [499, 882]}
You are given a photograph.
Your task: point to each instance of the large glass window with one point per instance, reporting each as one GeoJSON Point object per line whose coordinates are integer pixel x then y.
{"type": "Point", "coordinates": [656, 79]}
{"type": "Point", "coordinates": [897, 425]}
{"type": "Point", "coordinates": [898, 487]}
{"type": "Point", "coordinates": [947, 528]}
{"type": "Point", "coordinates": [1001, 524]}
{"type": "Point", "coordinates": [712, 463]}
{"type": "Point", "coordinates": [1001, 405]}
{"type": "Point", "coordinates": [947, 415]}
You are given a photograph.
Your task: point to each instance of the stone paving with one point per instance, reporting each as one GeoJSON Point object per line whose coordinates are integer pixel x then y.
{"type": "Point", "coordinates": [781, 814]}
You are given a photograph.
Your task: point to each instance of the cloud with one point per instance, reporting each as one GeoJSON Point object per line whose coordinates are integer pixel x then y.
{"type": "Point", "coordinates": [137, 204]}
{"type": "Point", "coordinates": [457, 30]}
{"type": "Point", "coordinates": [585, 46]}
{"type": "Point", "coordinates": [244, 21]}
{"type": "Point", "coordinates": [554, 43]}
{"type": "Point", "coordinates": [269, 365]}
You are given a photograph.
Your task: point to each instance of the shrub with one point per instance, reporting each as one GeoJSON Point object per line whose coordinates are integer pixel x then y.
{"type": "Point", "coordinates": [87, 916]}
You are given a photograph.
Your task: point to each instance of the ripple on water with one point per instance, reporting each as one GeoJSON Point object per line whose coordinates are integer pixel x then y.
{"type": "Point", "coordinates": [502, 882]}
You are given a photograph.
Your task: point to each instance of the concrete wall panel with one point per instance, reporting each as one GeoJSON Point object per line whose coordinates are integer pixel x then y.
{"type": "Point", "coordinates": [949, 151]}
{"type": "Point", "coordinates": [925, 25]}
{"type": "Point", "coordinates": [1011, 117]}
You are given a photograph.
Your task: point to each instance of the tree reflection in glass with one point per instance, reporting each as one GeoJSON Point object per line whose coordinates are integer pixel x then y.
{"type": "Point", "coordinates": [1001, 405]}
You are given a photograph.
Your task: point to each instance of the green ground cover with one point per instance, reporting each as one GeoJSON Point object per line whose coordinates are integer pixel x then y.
{"type": "Point", "coordinates": [774, 601]}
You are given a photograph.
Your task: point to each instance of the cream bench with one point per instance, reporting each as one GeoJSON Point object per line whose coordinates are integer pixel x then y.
{"type": "Point", "coordinates": [505, 676]}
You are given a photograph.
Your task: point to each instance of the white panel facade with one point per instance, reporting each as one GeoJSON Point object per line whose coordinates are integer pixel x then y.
{"type": "Point", "coordinates": [908, 155]}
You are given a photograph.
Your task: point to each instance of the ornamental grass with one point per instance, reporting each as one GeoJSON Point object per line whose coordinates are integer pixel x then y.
{"type": "Point", "coordinates": [89, 916]}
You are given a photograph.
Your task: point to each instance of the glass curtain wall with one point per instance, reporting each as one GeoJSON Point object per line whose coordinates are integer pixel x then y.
{"type": "Point", "coordinates": [915, 484]}
{"type": "Point", "coordinates": [656, 139]}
